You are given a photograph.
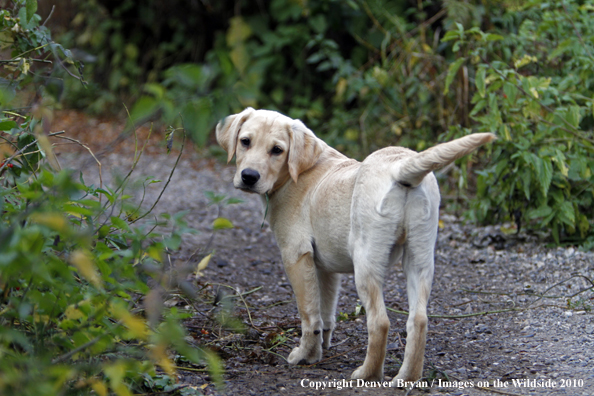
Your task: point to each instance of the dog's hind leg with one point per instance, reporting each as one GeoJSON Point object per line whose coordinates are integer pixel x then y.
{"type": "Point", "coordinates": [419, 279]}
{"type": "Point", "coordinates": [418, 262]}
{"type": "Point", "coordinates": [329, 285]}
{"type": "Point", "coordinates": [369, 282]}
{"type": "Point", "coordinates": [304, 280]}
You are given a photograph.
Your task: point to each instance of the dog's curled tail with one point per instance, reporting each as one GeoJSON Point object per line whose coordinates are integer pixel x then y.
{"type": "Point", "coordinates": [411, 170]}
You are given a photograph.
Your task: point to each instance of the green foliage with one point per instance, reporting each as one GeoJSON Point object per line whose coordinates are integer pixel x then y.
{"type": "Point", "coordinates": [126, 44]}
{"type": "Point", "coordinates": [73, 270]}
{"type": "Point", "coordinates": [29, 45]}
{"type": "Point", "coordinates": [295, 54]}
{"type": "Point", "coordinates": [254, 63]}
{"type": "Point", "coordinates": [77, 315]}
{"type": "Point", "coordinates": [365, 74]}
{"type": "Point", "coordinates": [534, 88]}
{"type": "Point", "coordinates": [185, 97]}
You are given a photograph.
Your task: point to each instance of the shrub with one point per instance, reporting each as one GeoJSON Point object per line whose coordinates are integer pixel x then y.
{"type": "Point", "coordinates": [77, 314]}
{"type": "Point", "coordinates": [534, 88]}
{"type": "Point", "coordinates": [404, 82]}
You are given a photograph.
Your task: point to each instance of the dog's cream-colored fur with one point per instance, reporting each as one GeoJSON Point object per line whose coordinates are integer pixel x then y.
{"type": "Point", "coordinates": [331, 215]}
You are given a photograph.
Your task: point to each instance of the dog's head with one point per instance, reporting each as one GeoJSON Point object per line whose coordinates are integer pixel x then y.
{"type": "Point", "coordinates": [270, 148]}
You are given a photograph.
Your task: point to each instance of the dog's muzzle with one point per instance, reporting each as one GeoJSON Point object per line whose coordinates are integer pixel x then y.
{"type": "Point", "coordinates": [249, 177]}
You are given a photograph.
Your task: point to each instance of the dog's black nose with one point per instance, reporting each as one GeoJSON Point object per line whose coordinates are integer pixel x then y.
{"type": "Point", "coordinates": [249, 177]}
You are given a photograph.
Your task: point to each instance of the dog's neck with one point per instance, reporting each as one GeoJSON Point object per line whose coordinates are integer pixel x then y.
{"type": "Point", "coordinates": [285, 177]}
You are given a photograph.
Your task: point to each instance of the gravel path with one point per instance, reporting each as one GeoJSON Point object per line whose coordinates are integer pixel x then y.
{"type": "Point", "coordinates": [508, 312]}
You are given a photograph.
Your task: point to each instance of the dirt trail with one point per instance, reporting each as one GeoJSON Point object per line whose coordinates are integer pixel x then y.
{"type": "Point", "coordinates": [500, 305]}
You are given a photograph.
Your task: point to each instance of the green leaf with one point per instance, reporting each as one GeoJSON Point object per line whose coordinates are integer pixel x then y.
{"type": "Point", "coordinates": [78, 211]}
{"type": "Point", "coordinates": [7, 91]}
{"type": "Point", "coordinates": [31, 6]}
{"type": "Point", "coordinates": [526, 180]}
{"type": "Point", "coordinates": [451, 35]}
{"type": "Point", "coordinates": [510, 91]}
{"type": "Point", "coordinates": [119, 223]}
{"type": "Point", "coordinates": [566, 214]}
{"type": "Point", "coordinates": [452, 70]}
{"type": "Point", "coordinates": [543, 169]}
{"type": "Point", "coordinates": [198, 119]}
{"type": "Point", "coordinates": [155, 89]}
{"type": "Point", "coordinates": [478, 107]}
{"type": "Point", "coordinates": [109, 195]}
{"type": "Point", "coordinates": [480, 81]}
{"type": "Point", "coordinates": [547, 175]}
{"type": "Point", "coordinates": [238, 32]}
{"type": "Point", "coordinates": [573, 116]}
{"type": "Point", "coordinates": [583, 225]}
{"type": "Point", "coordinates": [232, 201]}
{"type": "Point", "coordinates": [189, 75]}
{"type": "Point", "coordinates": [7, 125]}
{"type": "Point", "coordinates": [173, 242]}
{"type": "Point", "coordinates": [31, 153]}
{"type": "Point", "coordinates": [318, 23]}
{"type": "Point", "coordinates": [542, 211]}
{"type": "Point", "coordinates": [493, 37]}
{"type": "Point", "coordinates": [222, 223]}
{"type": "Point", "coordinates": [214, 198]}
{"type": "Point", "coordinates": [144, 108]}
{"type": "Point", "coordinates": [561, 49]}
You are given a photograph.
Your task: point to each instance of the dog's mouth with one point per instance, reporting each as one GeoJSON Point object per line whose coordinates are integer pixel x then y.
{"type": "Point", "coordinates": [249, 189]}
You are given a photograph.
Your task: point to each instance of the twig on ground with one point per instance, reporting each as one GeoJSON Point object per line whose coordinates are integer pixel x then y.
{"type": "Point", "coordinates": [191, 369]}
{"type": "Point", "coordinates": [540, 297]}
{"type": "Point", "coordinates": [234, 289]}
{"type": "Point", "coordinates": [248, 311]}
{"type": "Point", "coordinates": [529, 306]}
{"type": "Point", "coordinates": [462, 315]}
{"type": "Point", "coordinates": [275, 354]}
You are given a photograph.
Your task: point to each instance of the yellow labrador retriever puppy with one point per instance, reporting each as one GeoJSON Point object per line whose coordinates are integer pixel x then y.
{"type": "Point", "coordinates": [331, 215]}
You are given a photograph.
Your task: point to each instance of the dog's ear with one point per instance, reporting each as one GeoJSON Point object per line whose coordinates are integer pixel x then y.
{"type": "Point", "coordinates": [304, 149]}
{"type": "Point", "coordinates": [228, 129]}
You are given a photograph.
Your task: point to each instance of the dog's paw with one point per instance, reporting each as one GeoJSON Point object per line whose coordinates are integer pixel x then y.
{"type": "Point", "coordinates": [363, 373]}
{"type": "Point", "coordinates": [301, 355]}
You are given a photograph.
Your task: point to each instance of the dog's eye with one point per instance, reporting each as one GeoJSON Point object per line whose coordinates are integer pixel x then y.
{"type": "Point", "coordinates": [245, 142]}
{"type": "Point", "coordinates": [276, 150]}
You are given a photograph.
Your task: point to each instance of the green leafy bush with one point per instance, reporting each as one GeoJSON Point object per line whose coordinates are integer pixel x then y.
{"type": "Point", "coordinates": [365, 74]}
{"type": "Point", "coordinates": [82, 273]}
{"type": "Point", "coordinates": [400, 83]}
{"type": "Point", "coordinates": [128, 43]}
{"type": "Point", "coordinates": [279, 59]}
{"type": "Point", "coordinates": [73, 280]}
{"type": "Point", "coordinates": [534, 87]}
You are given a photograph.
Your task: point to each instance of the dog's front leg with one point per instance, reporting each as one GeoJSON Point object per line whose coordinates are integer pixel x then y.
{"type": "Point", "coordinates": [303, 277]}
